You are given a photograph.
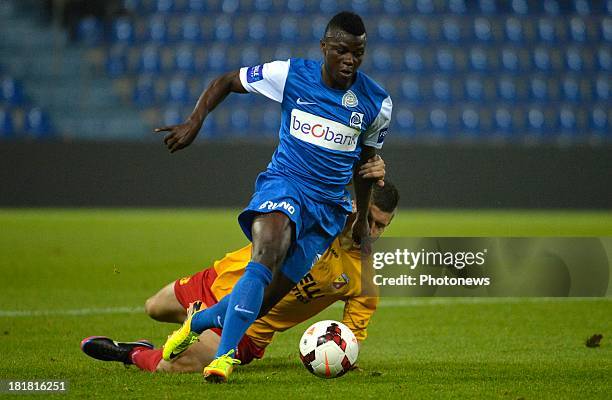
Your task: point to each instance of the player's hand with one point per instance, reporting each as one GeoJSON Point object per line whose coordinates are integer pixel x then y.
{"type": "Point", "coordinates": [374, 168]}
{"type": "Point", "coordinates": [181, 135]}
{"type": "Point", "coordinates": [361, 235]}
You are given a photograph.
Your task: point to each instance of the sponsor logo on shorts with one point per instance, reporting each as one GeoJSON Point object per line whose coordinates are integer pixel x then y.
{"type": "Point", "coordinates": [270, 205]}
{"type": "Point", "coordinates": [254, 74]}
{"type": "Point", "coordinates": [323, 132]}
{"type": "Point", "coordinates": [183, 281]}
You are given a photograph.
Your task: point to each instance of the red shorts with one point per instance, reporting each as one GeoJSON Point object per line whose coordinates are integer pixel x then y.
{"type": "Point", "coordinates": [197, 287]}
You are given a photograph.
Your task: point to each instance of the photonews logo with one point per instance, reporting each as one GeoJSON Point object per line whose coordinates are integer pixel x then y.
{"type": "Point", "coordinates": [322, 131]}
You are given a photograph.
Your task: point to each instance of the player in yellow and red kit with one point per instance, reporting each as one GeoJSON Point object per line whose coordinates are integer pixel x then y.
{"type": "Point", "coordinates": [336, 276]}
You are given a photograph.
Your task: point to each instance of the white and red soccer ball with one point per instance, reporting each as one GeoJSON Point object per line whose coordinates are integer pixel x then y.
{"type": "Point", "coordinates": [328, 349]}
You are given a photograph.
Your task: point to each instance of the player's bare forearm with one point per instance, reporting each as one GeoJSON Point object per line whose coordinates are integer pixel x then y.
{"type": "Point", "coordinates": [215, 93]}
{"type": "Point", "coordinates": [181, 135]}
{"type": "Point", "coordinates": [363, 191]}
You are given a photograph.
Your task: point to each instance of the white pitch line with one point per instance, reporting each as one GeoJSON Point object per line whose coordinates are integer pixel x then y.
{"type": "Point", "coordinates": [79, 311]}
{"type": "Point", "coordinates": [385, 302]}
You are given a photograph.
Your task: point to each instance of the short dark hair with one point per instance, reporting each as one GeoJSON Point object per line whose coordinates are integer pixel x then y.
{"type": "Point", "coordinates": [348, 22]}
{"type": "Point", "coordinates": [386, 197]}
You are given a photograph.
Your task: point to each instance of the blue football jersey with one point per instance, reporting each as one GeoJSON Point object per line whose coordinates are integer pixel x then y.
{"type": "Point", "coordinates": [322, 129]}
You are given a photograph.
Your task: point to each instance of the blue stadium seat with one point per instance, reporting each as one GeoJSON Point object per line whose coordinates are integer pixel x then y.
{"type": "Point", "coordinates": [514, 30]}
{"type": "Point", "coordinates": [184, 60]}
{"type": "Point", "coordinates": [470, 120]}
{"type": "Point", "coordinates": [510, 61]}
{"type": "Point", "coordinates": [382, 59]}
{"type": "Point", "coordinates": [406, 120]}
{"type": "Point", "coordinates": [328, 7]}
{"type": "Point", "coordinates": [172, 116]}
{"type": "Point", "coordinates": [363, 7]}
{"type": "Point", "coordinates": [257, 28]}
{"type": "Point", "coordinates": [551, 7]}
{"type": "Point", "coordinates": [474, 89]}
{"type": "Point", "coordinates": [604, 59]}
{"type": "Point", "coordinates": [414, 61]}
{"type": "Point", "coordinates": [392, 7]}
{"type": "Point", "coordinates": [506, 89]}
{"type": "Point", "coordinates": [122, 31]}
{"type": "Point", "coordinates": [567, 120]}
{"type": "Point", "coordinates": [197, 6]}
{"type": "Point", "coordinates": [425, 6]}
{"type": "Point", "coordinates": [451, 30]}
{"type": "Point", "coordinates": [12, 92]}
{"type": "Point", "coordinates": [541, 59]}
{"type": "Point", "coordinates": [445, 60]}
{"type": "Point", "coordinates": [7, 127]}
{"type": "Point", "coordinates": [90, 31]}
{"type": "Point", "coordinates": [503, 122]}
{"type": "Point", "coordinates": [271, 121]}
{"type": "Point", "coordinates": [191, 31]}
{"type": "Point", "coordinates": [158, 30]}
{"type": "Point", "coordinates": [37, 123]}
{"type": "Point", "coordinates": [289, 29]}
{"type": "Point", "coordinates": [578, 30]}
{"type": "Point", "coordinates": [178, 91]}
{"type": "Point", "coordinates": [438, 120]}
{"type": "Point", "coordinates": [487, 7]}
{"type": "Point", "coordinates": [582, 7]}
{"type": "Point", "coordinates": [230, 6]}
{"type": "Point", "coordinates": [239, 120]}
{"type": "Point", "coordinates": [573, 59]}
{"type": "Point", "coordinates": [599, 120]}
{"type": "Point", "coordinates": [224, 30]}
{"type": "Point", "coordinates": [216, 60]}
{"type": "Point", "coordinates": [116, 61]}
{"type": "Point", "coordinates": [144, 92]}
{"type": "Point", "coordinates": [250, 55]}
{"type": "Point", "coordinates": [482, 29]}
{"type": "Point", "coordinates": [441, 89]}
{"type": "Point", "coordinates": [602, 88]}
{"type": "Point", "coordinates": [570, 87]}
{"type": "Point", "coordinates": [150, 60]}
{"type": "Point", "coordinates": [538, 89]}
{"type": "Point", "coordinates": [411, 89]}
{"type": "Point", "coordinates": [547, 31]}
{"type": "Point", "coordinates": [479, 60]}
{"type": "Point", "coordinates": [457, 6]}
{"type": "Point", "coordinates": [519, 7]}
{"type": "Point", "coordinates": [164, 6]}
{"type": "Point", "coordinates": [418, 30]}
{"type": "Point", "coordinates": [318, 27]}
{"type": "Point", "coordinates": [386, 30]}
{"type": "Point", "coordinates": [536, 120]}
{"type": "Point", "coordinates": [296, 6]}
{"type": "Point", "coordinates": [606, 29]}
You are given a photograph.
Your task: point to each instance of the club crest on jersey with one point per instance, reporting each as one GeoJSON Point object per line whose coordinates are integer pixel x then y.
{"type": "Point", "coordinates": [349, 99]}
{"type": "Point", "coordinates": [356, 120]}
{"type": "Point", "coordinates": [254, 74]}
{"type": "Point", "coordinates": [340, 281]}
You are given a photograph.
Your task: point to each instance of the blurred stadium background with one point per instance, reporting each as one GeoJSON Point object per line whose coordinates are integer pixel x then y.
{"type": "Point", "coordinates": [497, 103]}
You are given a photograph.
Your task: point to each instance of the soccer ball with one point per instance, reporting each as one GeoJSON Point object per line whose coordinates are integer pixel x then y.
{"type": "Point", "coordinates": [328, 349]}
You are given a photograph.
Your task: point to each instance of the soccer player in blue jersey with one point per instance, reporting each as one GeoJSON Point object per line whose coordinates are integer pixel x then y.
{"type": "Point", "coordinates": [334, 117]}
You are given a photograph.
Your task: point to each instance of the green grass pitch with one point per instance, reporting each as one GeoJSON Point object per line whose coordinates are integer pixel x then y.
{"type": "Point", "coordinates": [68, 274]}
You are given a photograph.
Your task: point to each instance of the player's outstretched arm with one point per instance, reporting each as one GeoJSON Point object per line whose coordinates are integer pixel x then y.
{"type": "Point", "coordinates": [363, 191]}
{"type": "Point", "coordinates": [181, 135]}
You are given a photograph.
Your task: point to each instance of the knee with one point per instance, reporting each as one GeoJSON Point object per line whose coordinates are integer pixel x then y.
{"type": "Point", "coordinates": [269, 251]}
{"type": "Point", "coordinates": [152, 307]}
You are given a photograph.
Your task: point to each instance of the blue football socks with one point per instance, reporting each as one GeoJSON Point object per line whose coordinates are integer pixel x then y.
{"type": "Point", "coordinates": [212, 317]}
{"type": "Point", "coordinates": [243, 305]}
